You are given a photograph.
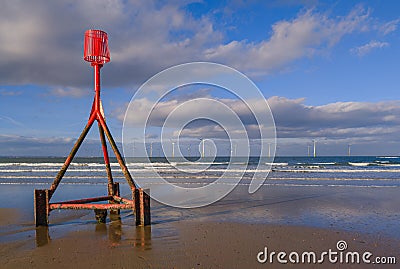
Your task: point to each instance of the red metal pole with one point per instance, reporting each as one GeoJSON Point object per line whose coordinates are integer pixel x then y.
{"type": "Point", "coordinates": [98, 112]}
{"type": "Point", "coordinates": [97, 68]}
{"type": "Point", "coordinates": [103, 125]}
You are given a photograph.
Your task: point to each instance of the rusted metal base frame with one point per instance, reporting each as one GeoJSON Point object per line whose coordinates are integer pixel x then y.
{"type": "Point", "coordinates": [140, 204]}
{"type": "Point", "coordinates": [115, 204]}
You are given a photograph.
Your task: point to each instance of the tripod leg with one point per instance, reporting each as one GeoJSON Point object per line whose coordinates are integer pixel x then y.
{"type": "Point", "coordinates": [68, 161]}
{"type": "Point", "coordinates": [106, 161]}
{"type": "Point", "coordinates": [116, 152]}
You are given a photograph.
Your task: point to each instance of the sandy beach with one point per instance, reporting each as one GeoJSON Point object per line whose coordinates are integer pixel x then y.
{"type": "Point", "coordinates": [228, 234]}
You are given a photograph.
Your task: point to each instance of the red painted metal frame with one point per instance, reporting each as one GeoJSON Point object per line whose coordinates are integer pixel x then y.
{"type": "Point", "coordinates": [96, 51]}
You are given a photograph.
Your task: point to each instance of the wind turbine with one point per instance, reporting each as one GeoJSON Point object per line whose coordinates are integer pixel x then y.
{"type": "Point", "coordinates": [349, 150]}
{"type": "Point", "coordinates": [173, 149]}
{"type": "Point", "coordinates": [315, 148]}
{"type": "Point", "coordinates": [202, 152]}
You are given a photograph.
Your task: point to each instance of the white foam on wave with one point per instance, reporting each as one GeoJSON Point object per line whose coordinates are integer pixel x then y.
{"type": "Point", "coordinates": [168, 169]}
{"type": "Point", "coordinates": [277, 164]}
{"type": "Point", "coordinates": [359, 164]}
{"type": "Point", "coordinates": [338, 170]}
{"type": "Point", "coordinates": [55, 164]}
{"type": "Point", "coordinates": [47, 183]}
{"type": "Point", "coordinates": [318, 163]}
{"type": "Point", "coordinates": [219, 183]}
{"type": "Point", "coordinates": [332, 179]}
{"type": "Point", "coordinates": [389, 164]}
{"type": "Point", "coordinates": [47, 170]}
{"type": "Point", "coordinates": [209, 177]}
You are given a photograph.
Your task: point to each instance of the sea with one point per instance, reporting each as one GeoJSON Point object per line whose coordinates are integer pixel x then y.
{"type": "Point", "coordinates": [355, 171]}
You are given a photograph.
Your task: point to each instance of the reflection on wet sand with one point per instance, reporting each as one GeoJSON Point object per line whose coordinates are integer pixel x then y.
{"type": "Point", "coordinates": [143, 238]}
{"type": "Point", "coordinates": [113, 231]}
{"type": "Point", "coordinates": [42, 236]}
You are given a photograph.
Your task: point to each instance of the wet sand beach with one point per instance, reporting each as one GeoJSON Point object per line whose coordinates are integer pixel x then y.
{"type": "Point", "coordinates": [227, 234]}
{"type": "Point", "coordinates": [191, 245]}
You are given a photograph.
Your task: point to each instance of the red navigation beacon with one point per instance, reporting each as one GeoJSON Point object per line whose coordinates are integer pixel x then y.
{"type": "Point", "coordinates": [96, 47]}
{"type": "Point", "coordinates": [96, 52]}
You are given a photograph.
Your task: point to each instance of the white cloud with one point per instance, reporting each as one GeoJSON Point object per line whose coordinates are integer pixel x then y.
{"type": "Point", "coordinates": [367, 48]}
{"type": "Point", "coordinates": [336, 120]}
{"type": "Point", "coordinates": [341, 122]}
{"type": "Point", "coordinates": [14, 122]}
{"type": "Point", "coordinates": [389, 27]}
{"type": "Point", "coordinates": [304, 36]}
{"type": "Point", "coordinates": [17, 145]}
{"type": "Point", "coordinates": [4, 92]}
{"type": "Point", "coordinates": [45, 43]}
{"type": "Point", "coordinates": [69, 92]}
{"type": "Point", "coordinates": [38, 140]}
{"type": "Point", "coordinates": [293, 118]}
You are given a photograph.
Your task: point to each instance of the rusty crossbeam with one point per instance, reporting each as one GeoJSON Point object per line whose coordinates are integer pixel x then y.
{"type": "Point", "coordinates": [89, 200]}
{"type": "Point", "coordinates": [121, 200]}
{"type": "Point", "coordinates": [98, 199]}
{"type": "Point", "coordinates": [85, 204]}
{"type": "Point", "coordinates": [91, 206]}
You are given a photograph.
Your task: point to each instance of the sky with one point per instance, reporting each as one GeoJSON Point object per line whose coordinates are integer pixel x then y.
{"type": "Point", "coordinates": [328, 69]}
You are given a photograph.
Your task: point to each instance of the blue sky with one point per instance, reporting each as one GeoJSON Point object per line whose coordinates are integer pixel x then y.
{"type": "Point", "coordinates": [329, 69]}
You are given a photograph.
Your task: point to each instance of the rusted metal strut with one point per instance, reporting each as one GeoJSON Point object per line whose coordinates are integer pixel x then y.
{"type": "Point", "coordinates": [96, 51]}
